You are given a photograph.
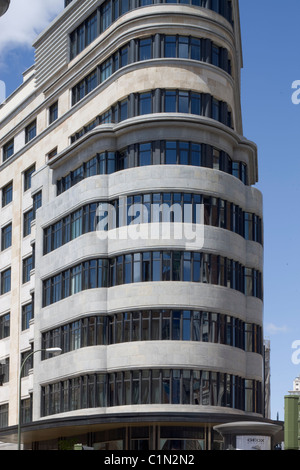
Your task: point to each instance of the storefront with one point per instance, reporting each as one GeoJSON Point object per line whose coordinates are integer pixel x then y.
{"type": "Point", "coordinates": [250, 435]}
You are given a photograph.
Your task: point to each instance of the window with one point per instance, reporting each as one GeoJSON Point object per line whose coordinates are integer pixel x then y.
{"type": "Point", "coordinates": [171, 325]}
{"type": "Point", "coordinates": [27, 219]}
{"type": "Point", "coordinates": [183, 102]}
{"type": "Point", "coordinates": [4, 326]}
{"type": "Point", "coordinates": [8, 150]}
{"type": "Point", "coordinates": [186, 153]}
{"type": "Point", "coordinates": [28, 364]}
{"type": "Point", "coordinates": [106, 15]}
{"type": "Point", "coordinates": [145, 49]}
{"type": "Point", "coordinates": [174, 207]}
{"type": "Point", "coordinates": [183, 47]}
{"type": "Point", "coordinates": [4, 370]}
{"type": "Point", "coordinates": [30, 131]}
{"type": "Point", "coordinates": [145, 152]}
{"type": "Point", "coordinates": [27, 267]}
{"type": "Point", "coordinates": [6, 234]}
{"type": "Point", "coordinates": [7, 194]}
{"type": "Point", "coordinates": [145, 104]}
{"type": "Point", "coordinates": [171, 153]}
{"type": "Point", "coordinates": [215, 114]}
{"type": "Point", "coordinates": [170, 46]}
{"type": "Point", "coordinates": [110, 11]}
{"type": "Point", "coordinates": [216, 56]}
{"type": "Point", "coordinates": [84, 87]}
{"type": "Point", "coordinates": [156, 266]}
{"type": "Point", "coordinates": [170, 102]}
{"type": "Point", "coordinates": [106, 69]}
{"type": "Point", "coordinates": [91, 29]}
{"type": "Point", "coordinates": [91, 81]}
{"type": "Point", "coordinates": [123, 110]}
{"type": "Point", "coordinates": [215, 5]}
{"type": "Point", "coordinates": [5, 281]}
{"type": "Point", "coordinates": [195, 49]}
{"type": "Point", "coordinates": [196, 104]}
{"type": "Point", "coordinates": [152, 386]}
{"type": "Point", "coordinates": [124, 56]}
{"type": "Point", "coordinates": [26, 410]}
{"type": "Point", "coordinates": [27, 315]}
{"type": "Point", "coordinates": [27, 177]}
{"type": "Point", "coordinates": [3, 416]}
{"type": "Point", "coordinates": [37, 202]}
{"type": "Point", "coordinates": [52, 153]}
{"type": "Point", "coordinates": [53, 112]}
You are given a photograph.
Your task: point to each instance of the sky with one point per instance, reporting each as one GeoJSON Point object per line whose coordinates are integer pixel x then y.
{"type": "Point", "coordinates": [270, 39]}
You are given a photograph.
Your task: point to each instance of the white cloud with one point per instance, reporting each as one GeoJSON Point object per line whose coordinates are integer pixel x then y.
{"type": "Point", "coordinates": [272, 329]}
{"type": "Point", "coordinates": [24, 20]}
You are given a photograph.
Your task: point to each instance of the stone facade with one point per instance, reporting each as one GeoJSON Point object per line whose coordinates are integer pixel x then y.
{"type": "Point", "coordinates": [56, 154]}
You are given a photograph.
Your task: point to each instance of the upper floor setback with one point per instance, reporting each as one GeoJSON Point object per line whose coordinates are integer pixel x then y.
{"type": "Point", "coordinates": [27, 104]}
{"type": "Point", "coordinates": [58, 46]}
{"type": "Point", "coordinates": [84, 25]}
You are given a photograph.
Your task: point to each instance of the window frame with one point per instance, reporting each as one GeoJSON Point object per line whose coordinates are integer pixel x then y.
{"type": "Point", "coordinates": [30, 131]}
{"type": "Point", "coordinates": [8, 150]}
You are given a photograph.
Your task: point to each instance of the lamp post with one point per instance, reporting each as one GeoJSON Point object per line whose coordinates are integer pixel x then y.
{"type": "Point", "coordinates": [49, 350]}
{"type": "Point", "coordinates": [4, 4]}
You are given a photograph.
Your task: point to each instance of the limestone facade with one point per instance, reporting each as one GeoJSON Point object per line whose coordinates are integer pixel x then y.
{"type": "Point", "coordinates": [55, 154]}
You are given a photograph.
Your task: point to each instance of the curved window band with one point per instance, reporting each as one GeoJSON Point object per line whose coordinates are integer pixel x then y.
{"type": "Point", "coordinates": [154, 153]}
{"type": "Point", "coordinates": [155, 325]}
{"type": "Point", "coordinates": [158, 101]}
{"type": "Point", "coordinates": [180, 47]}
{"type": "Point", "coordinates": [153, 207]}
{"type": "Point", "coordinates": [111, 10]}
{"type": "Point", "coordinates": [153, 266]}
{"type": "Point", "coordinates": [152, 386]}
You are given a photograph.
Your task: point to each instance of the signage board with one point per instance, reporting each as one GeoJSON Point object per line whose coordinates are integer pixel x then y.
{"type": "Point", "coordinates": [253, 442]}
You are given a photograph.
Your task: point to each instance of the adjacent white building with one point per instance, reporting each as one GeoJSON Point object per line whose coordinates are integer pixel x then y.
{"type": "Point", "coordinates": [131, 231]}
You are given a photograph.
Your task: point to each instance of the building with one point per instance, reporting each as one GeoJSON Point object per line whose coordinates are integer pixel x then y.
{"type": "Point", "coordinates": [131, 232]}
{"type": "Point", "coordinates": [296, 385]}
{"type": "Point", "coordinates": [291, 417]}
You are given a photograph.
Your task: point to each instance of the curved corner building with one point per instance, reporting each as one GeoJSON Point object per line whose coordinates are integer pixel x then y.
{"type": "Point", "coordinates": [136, 231]}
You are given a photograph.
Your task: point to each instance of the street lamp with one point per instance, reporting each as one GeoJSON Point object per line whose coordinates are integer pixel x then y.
{"type": "Point", "coordinates": [4, 4]}
{"type": "Point", "coordinates": [55, 351]}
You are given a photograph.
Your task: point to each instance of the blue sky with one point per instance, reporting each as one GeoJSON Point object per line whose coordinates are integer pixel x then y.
{"type": "Point", "coordinates": [271, 38]}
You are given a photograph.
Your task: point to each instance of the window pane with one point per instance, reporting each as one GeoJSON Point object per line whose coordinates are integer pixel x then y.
{"type": "Point", "coordinates": [91, 28]}
{"type": "Point", "coordinates": [183, 47]}
{"type": "Point", "coordinates": [123, 110]}
{"type": "Point", "coordinates": [171, 153]}
{"type": "Point", "coordinates": [145, 154]}
{"type": "Point", "coordinates": [170, 46]}
{"type": "Point", "coordinates": [183, 102]}
{"type": "Point", "coordinates": [196, 155]}
{"type": "Point", "coordinates": [145, 46]}
{"type": "Point", "coordinates": [195, 49]}
{"type": "Point", "coordinates": [170, 101]}
{"type": "Point", "coordinates": [196, 104]}
{"type": "Point", "coordinates": [145, 103]}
